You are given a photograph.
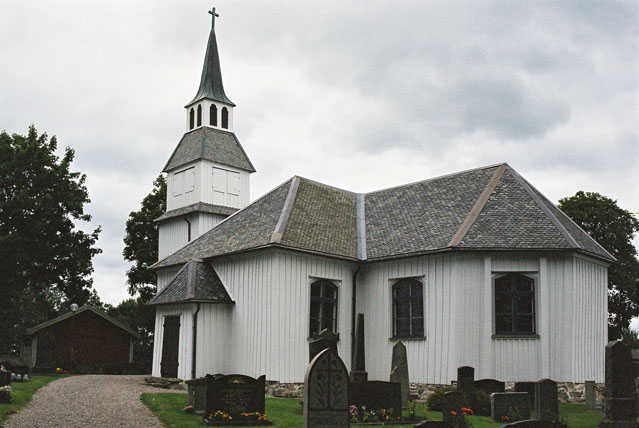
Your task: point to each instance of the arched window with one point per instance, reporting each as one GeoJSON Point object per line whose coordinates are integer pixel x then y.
{"type": "Point", "coordinates": [514, 304]}
{"type": "Point", "coordinates": [225, 118]}
{"type": "Point", "coordinates": [408, 308]}
{"type": "Point", "coordinates": [323, 307]}
{"type": "Point", "coordinates": [191, 119]}
{"type": "Point", "coordinates": [213, 115]}
{"type": "Point", "coordinates": [199, 115]}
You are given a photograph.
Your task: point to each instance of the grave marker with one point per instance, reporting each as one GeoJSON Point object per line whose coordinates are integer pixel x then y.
{"type": "Point", "coordinates": [376, 394]}
{"type": "Point", "coordinates": [234, 394]}
{"type": "Point", "coordinates": [451, 407]}
{"type": "Point", "coordinates": [509, 404]}
{"type": "Point", "coordinates": [546, 400]}
{"type": "Point", "coordinates": [528, 387]}
{"type": "Point", "coordinates": [490, 385]}
{"type": "Point", "coordinates": [358, 374]}
{"type": "Point", "coordinates": [326, 392]}
{"type": "Point", "coordinates": [399, 369]}
{"type": "Point", "coordinates": [325, 340]}
{"type": "Point", "coordinates": [589, 392]}
{"type": "Point", "coordinates": [619, 403]}
{"type": "Point", "coordinates": [466, 379]}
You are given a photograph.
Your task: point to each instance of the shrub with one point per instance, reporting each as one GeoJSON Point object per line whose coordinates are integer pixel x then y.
{"type": "Point", "coordinates": [434, 400]}
{"type": "Point", "coordinates": [479, 402]}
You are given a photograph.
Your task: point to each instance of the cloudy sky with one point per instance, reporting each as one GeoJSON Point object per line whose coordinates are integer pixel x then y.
{"type": "Point", "coordinates": [359, 95]}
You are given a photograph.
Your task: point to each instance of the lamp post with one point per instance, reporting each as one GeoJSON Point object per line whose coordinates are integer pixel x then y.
{"type": "Point", "coordinates": [74, 309]}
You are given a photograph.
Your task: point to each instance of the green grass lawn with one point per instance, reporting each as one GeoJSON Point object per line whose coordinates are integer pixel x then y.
{"type": "Point", "coordinates": [287, 413]}
{"type": "Point", "coordinates": [21, 393]}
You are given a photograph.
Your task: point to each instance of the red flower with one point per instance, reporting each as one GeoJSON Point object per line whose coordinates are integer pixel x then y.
{"type": "Point", "coordinates": [466, 411]}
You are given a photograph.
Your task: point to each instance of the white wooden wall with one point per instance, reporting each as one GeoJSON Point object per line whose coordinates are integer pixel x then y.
{"type": "Point", "coordinates": [173, 234]}
{"type": "Point", "coordinates": [186, 332]}
{"type": "Point", "coordinates": [166, 275]}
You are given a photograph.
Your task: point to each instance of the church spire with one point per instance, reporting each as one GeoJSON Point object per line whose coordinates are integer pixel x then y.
{"type": "Point", "coordinates": [211, 86]}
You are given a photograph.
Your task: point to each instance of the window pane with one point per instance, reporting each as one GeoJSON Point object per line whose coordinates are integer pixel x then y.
{"type": "Point", "coordinates": [415, 288]}
{"type": "Point", "coordinates": [401, 327]}
{"type": "Point", "coordinates": [416, 308]}
{"type": "Point", "coordinates": [329, 291]}
{"type": "Point", "coordinates": [329, 310]}
{"type": "Point", "coordinates": [524, 304]}
{"type": "Point", "coordinates": [417, 325]}
{"type": "Point", "coordinates": [503, 304]}
{"type": "Point", "coordinates": [523, 284]}
{"type": "Point", "coordinates": [328, 323]}
{"type": "Point", "coordinates": [503, 283]}
{"type": "Point", "coordinates": [316, 289]}
{"type": "Point", "coordinates": [525, 324]}
{"type": "Point", "coordinates": [315, 309]}
{"type": "Point", "coordinates": [315, 323]}
{"type": "Point", "coordinates": [504, 324]}
{"type": "Point", "coordinates": [401, 289]}
{"type": "Point", "coordinates": [401, 309]}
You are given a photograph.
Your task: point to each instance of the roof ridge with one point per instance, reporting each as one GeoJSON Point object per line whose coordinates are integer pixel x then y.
{"type": "Point", "coordinates": [556, 223]}
{"type": "Point", "coordinates": [84, 308]}
{"type": "Point", "coordinates": [439, 177]}
{"type": "Point", "coordinates": [479, 205]}
{"type": "Point", "coordinates": [360, 220]}
{"type": "Point", "coordinates": [285, 214]}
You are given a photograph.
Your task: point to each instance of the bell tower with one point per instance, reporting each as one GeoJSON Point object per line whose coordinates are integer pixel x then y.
{"type": "Point", "coordinates": [208, 174]}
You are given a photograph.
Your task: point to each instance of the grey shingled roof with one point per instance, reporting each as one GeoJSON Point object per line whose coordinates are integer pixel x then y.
{"type": "Point", "coordinates": [198, 207]}
{"type": "Point", "coordinates": [211, 144]}
{"type": "Point", "coordinates": [197, 281]}
{"type": "Point", "coordinates": [485, 208]}
{"type": "Point", "coordinates": [96, 311]}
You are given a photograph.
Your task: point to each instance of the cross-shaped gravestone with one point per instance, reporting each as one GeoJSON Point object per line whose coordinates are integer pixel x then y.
{"type": "Point", "coordinates": [213, 15]}
{"type": "Point", "coordinates": [326, 392]}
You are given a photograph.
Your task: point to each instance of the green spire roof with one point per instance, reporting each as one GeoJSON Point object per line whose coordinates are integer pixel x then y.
{"type": "Point", "coordinates": [211, 86]}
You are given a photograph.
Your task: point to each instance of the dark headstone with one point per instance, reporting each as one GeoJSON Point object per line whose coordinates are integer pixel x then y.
{"type": "Point", "coordinates": [528, 387]}
{"type": "Point", "coordinates": [451, 407]}
{"type": "Point", "coordinates": [358, 374]}
{"type": "Point", "coordinates": [399, 368]}
{"type": "Point", "coordinates": [591, 396]}
{"type": "Point", "coordinates": [375, 394]}
{"type": "Point", "coordinates": [5, 378]}
{"type": "Point", "coordinates": [619, 403]}
{"type": "Point", "coordinates": [234, 394]}
{"type": "Point", "coordinates": [465, 379]}
{"type": "Point", "coordinates": [534, 424]}
{"type": "Point", "coordinates": [433, 424]}
{"type": "Point", "coordinates": [546, 400]}
{"type": "Point", "coordinates": [490, 385]}
{"type": "Point", "coordinates": [325, 340]}
{"type": "Point", "coordinates": [509, 404]}
{"type": "Point", "coordinates": [326, 392]}
{"type": "Point", "coordinates": [196, 389]}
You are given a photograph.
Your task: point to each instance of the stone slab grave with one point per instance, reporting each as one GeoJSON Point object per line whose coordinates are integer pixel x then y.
{"type": "Point", "coordinates": [619, 402]}
{"type": "Point", "coordinates": [466, 379]}
{"type": "Point", "coordinates": [451, 408]}
{"type": "Point", "coordinates": [533, 424]}
{"type": "Point", "coordinates": [546, 400]}
{"type": "Point", "coordinates": [359, 374]}
{"type": "Point", "coordinates": [326, 339]}
{"type": "Point", "coordinates": [399, 369]}
{"type": "Point", "coordinates": [375, 394]}
{"type": "Point", "coordinates": [196, 393]}
{"type": "Point", "coordinates": [233, 395]}
{"type": "Point", "coordinates": [589, 392]}
{"type": "Point", "coordinates": [326, 392]}
{"type": "Point", "coordinates": [509, 404]}
{"type": "Point", "coordinates": [490, 386]}
{"type": "Point", "coordinates": [5, 378]}
{"type": "Point", "coordinates": [528, 387]}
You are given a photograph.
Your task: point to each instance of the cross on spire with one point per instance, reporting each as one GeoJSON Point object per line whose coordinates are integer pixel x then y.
{"type": "Point", "coordinates": [213, 15]}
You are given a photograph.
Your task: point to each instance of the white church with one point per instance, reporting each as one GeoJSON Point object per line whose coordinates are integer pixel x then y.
{"type": "Point", "coordinates": [472, 268]}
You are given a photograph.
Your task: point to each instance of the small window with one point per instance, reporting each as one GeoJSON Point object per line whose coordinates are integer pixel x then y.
{"type": "Point", "coordinates": [189, 180]}
{"type": "Point", "coordinates": [178, 178]}
{"type": "Point", "coordinates": [192, 119]}
{"type": "Point", "coordinates": [323, 307]}
{"type": "Point", "coordinates": [213, 115]}
{"type": "Point", "coordinates": [514, 304]}
{"type": "Point", "coordinates": [225, 118]}
{"type": "Point", "coordinates": [199, 115]}
{"type": "Point", "coordinates": [408, 308]}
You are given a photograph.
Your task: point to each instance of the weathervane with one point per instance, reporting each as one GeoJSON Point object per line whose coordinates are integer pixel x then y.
{"type": "Point", "coordinates": [213, 15]}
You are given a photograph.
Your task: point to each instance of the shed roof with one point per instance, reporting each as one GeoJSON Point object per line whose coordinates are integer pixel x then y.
{"type": "Point", "coordinates": [489, 208]}
{"type": "Point", "coordinates": [96, 311]}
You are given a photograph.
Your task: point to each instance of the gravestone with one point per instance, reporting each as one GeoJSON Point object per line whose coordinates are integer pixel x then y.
{"type": "Point", "coordinates": [5, 378]}
{"type": "Point", "coordinates": [399, 369]}
{"type": "Point", "coordinates": [196, 390]}
{"type": "Point", "coordinates": [375, 394]}
{"type": "Point", "coordinates": [466, 379]}
{"type": "Point", "coordinates": [451, 407]}
{"type": "Point", "coordinates": [591, 398]}
{"type": "Point", "coordinates": [326, 392]}
{"type": "Point", "coordinates": [534, 424]}
{"type": "Point", "coordinates": [528, 387]}
{"type": "Point", "coordinates": [509, 404]}
{"type": "Point", "coordinates": [546, 400]}
{"type": "Point", "coordinates": [325, 340]}
{"type": "Point", "coordinates": [490, 385]}
{"type": "Point", "coordinates": [619, 403]}
{"type": "Point", "coordinates": [235, 394]}
{"type": "Point", "coordinates": [358, 374]}
{"type": "Point", "coordinates": [433, 424]}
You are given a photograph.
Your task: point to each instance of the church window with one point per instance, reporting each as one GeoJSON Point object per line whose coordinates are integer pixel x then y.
{"type": "Point", "coordinates": [408, 308]}
{"type": "Point", "coordinates": [213, 115]}
{"type": "Point", "coordinates": [191, 119]}
{"type": "Point", "coordinates": [199, 115]}
{"type": "Point", "coordinates": [323, 307]}
{"type": "Point", "coordinates": [225, 118]}
{"type": "Point", "coordinates": [514, 304]}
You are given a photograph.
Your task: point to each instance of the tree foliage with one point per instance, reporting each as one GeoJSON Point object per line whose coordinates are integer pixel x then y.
{"type": "Point", "coordinates": [141, 241]}
{"type": "Point", "coordinates": [141, 317]}
{"type": "Point", "coordinates": [614, 228]}
{"type": "Point", "coordinates": [44, 259]}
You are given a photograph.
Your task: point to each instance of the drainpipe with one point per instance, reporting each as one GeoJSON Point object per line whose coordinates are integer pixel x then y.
{"type": "Point", "coordinates": [194, 340]}
{"type": "Point", "coordinates": [188, 232]}
{"type": "Point", "coordinates": [353, 309]}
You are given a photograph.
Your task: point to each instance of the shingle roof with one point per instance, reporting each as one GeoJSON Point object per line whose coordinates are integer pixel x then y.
{"type": "Point", "coordinates": [211, 144]}
{"type": "Point", "coordinates": [197, 281]}
{"type": "Point", "coordinates": [485, 208]}
{"type": "Point", "coordinates": [200, 207]}
{"type": "Point", "coordinates": [96, 311]}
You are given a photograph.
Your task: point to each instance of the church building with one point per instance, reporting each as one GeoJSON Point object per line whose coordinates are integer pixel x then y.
{"type": "Point", "coordinates": [473, 268]}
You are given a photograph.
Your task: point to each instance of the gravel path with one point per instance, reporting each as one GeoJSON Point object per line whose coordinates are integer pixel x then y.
{"type": "Point", "coordinates": [95, 401]}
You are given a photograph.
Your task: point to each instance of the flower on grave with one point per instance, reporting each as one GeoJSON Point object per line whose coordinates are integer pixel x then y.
{"type": "Point", "coordinates": [5, 393]}
{"type": "Point", "coordinates": [58, 370]}
{"type": "Point", "coordinates": [467, 411]}
{"type": "Point", "coordinates": [505, 418]}
{"type": "Point", "coordinates": [189, 409]}
{"type": "Point", "coordinates": [454, 413]}
{"type": "Point", "coordinates": [2, 369]}
{"type": "Point", "coordinates": [263, 417]}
